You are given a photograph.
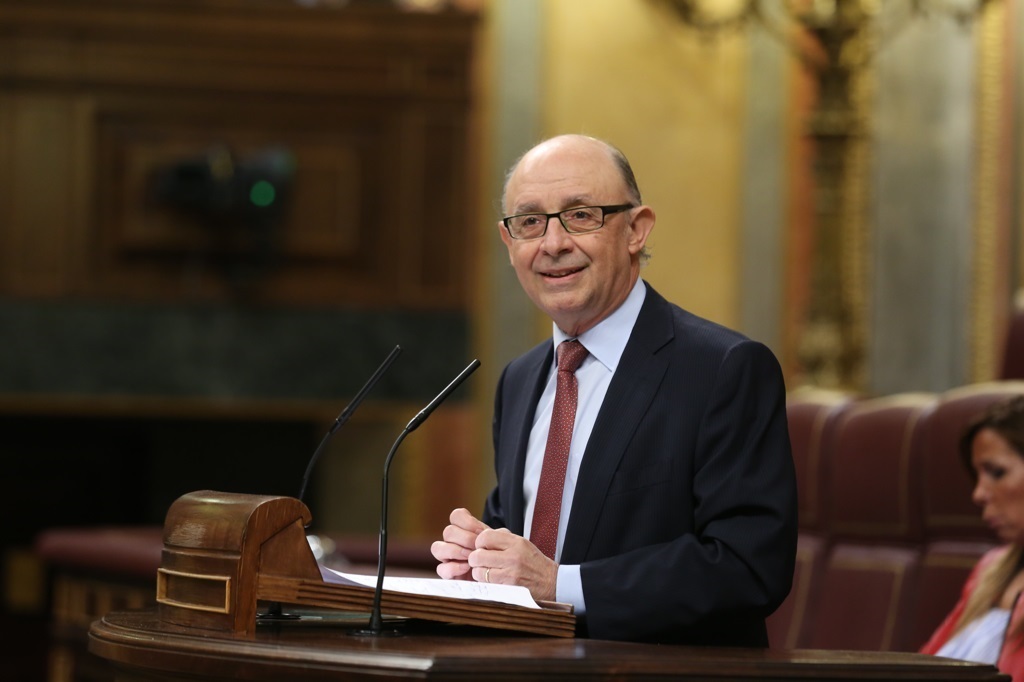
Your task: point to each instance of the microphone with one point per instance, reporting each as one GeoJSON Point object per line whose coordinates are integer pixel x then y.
{"type": "Point", "coordinates": [346, 413]}
{"type": "Point", "coordinates": [376, 627]}
{"type": "Point", "coordinates": [274, 610]}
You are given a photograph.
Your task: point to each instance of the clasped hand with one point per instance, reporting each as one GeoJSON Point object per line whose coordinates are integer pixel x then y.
{"type": "Point", "coordinates": [472, 550]}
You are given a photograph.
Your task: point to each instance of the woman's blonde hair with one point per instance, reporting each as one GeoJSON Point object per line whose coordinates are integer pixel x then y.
{"type": "Point", "coordinates": [992, 583]}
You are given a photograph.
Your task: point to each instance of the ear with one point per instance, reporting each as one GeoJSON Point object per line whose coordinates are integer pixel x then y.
{"type": "Point", "coordinates": [505, 237]}
{"type": "Point", "coordinates": [640, 228]}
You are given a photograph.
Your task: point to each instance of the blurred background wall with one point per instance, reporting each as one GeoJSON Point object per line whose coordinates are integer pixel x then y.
{"type": "Point", "coordinates": [218, 216]}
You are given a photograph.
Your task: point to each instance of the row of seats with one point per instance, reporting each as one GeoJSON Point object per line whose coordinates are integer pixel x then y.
{"type": "Point", "coordinates": [888, 530]}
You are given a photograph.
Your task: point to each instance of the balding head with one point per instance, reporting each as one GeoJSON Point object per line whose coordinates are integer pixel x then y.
{"type": "Point", "coordinates": [616, 157]}
{"type": "Point", "coordinates": [577, 277]}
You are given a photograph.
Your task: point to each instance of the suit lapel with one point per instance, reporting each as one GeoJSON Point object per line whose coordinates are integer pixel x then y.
{"type": "Point", "coordinates": [632, 389]}
{"type": "Point", "coordinates": [520, 421]}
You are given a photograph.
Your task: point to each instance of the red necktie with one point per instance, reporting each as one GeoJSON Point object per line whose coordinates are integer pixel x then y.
{"type": "Point", "coordinates": [546, 510]}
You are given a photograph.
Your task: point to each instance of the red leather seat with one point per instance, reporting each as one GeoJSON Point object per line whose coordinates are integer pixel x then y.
{"type": "Point", "coordinates": [875, 528]}
{"type": "Point", "coordinates": [791, 624]}
{"type": "Point", "coordinates": [944, 568]}
{"type": "Point", "coordinates": [875, 475]}
{"type": "Point", "coordinates": [812, 415]}
{"type": "Point", "coordinates": [867, 593]}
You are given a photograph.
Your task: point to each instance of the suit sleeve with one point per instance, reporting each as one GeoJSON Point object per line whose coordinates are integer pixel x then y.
{"type": "Point", "coordinates": [733, 565]}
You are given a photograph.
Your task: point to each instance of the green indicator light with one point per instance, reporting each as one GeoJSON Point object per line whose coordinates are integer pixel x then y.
{"type": "Point", "coordinates": [262, 194]}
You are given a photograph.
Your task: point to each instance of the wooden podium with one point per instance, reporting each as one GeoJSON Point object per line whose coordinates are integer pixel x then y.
{"type": "Point", "coordinates": [224, 552]}
{"type": "Point", "coordinates": [142, 648]}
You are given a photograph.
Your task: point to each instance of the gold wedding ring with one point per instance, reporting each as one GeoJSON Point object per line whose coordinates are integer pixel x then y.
{"type": "Point", "coordinates": [487, 576]}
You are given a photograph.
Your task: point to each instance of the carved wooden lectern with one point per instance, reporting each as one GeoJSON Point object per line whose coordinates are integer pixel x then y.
{"type": "Point", "coordinates": [225, 552]}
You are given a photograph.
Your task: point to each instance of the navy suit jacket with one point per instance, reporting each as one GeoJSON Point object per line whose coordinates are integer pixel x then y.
{"type": "Point", "coordinates": [684, 517]}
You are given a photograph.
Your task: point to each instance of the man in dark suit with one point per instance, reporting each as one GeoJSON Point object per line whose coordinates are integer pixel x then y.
{"type": "Point", "coordinates": [673, 516]}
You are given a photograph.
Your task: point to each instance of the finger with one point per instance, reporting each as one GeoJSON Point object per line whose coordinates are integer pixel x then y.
{"type": "Point", "coordinates": [484, 558]}
{"type": "Point", "coordinates": [454, 570]}
{"type": "Point", "coordinates": [446, 551]}
{"type": "Point", "coordinates": [487, 574]}
{"type": "Point", "coordinates": [460, 537]}
{"type": "Point", "coordinates": [463, 519]}
{"type": "Point", "coordinates": [496, 539]}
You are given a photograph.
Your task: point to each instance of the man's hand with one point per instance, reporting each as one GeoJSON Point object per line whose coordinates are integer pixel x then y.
{"type": "Point", "coordinates": [502, 557]}
{"type": "Point", "coordinates": [459, 540]}
{"type": "Point", "coordinates": [472, 550]}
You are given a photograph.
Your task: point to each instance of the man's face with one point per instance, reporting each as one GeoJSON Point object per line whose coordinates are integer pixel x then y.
{"type": "Point", "coordinates": [999, 490]}
{"type": "Point", "coordinates": [576, 279]}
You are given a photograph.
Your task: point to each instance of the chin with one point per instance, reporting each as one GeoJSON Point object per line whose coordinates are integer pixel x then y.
{"type": "Point", "coordinates": [559, 307]}
{"type": "Point", "coordinates": [1011, 537]}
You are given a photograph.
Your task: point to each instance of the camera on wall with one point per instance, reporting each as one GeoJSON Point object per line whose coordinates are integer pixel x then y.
{"type": "Point", "coordinates": [238, 200]}
{"type": "Point", "coordinates": [222, 187]}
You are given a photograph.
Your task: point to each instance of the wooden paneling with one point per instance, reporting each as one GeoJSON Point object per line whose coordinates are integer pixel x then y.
{"type": "Point", "coordinates": [372, 103]}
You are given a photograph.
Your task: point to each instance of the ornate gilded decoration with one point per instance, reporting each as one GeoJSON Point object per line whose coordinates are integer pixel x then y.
{"type": "Point", "coordinates": [986, 283]}
{"type": "Point", "coordinates": [836, 40]}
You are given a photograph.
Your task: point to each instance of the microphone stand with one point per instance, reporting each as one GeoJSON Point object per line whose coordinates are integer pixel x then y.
{"type": "Point", "coordinates": [274, 609]}
{"type": "Point", "coordinates": [346, 414]}
{"type": "Point", "coordinates": [376, 626]}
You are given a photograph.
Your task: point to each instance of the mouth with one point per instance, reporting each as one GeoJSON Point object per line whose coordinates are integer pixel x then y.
{"type": "Point", "coordinates": [562, 273]}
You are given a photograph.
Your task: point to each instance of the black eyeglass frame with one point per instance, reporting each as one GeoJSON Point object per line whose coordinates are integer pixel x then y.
{"type": "Point", "coordinates": [605, 212]}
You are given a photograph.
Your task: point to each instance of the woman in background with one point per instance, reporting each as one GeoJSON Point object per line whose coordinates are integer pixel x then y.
{"type": "Point", "coordinates": [987, 624]}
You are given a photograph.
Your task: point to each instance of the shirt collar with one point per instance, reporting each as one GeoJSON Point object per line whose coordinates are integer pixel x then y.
{"type": "Point", "coordinates": [607, 339]}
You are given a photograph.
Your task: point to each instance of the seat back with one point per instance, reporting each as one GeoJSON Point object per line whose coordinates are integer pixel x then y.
{"type": "Point", "coordinates": [875, 471]}
{"type": "Point", "coordinates": [791, 624]}
{"type": "Point", "coordinates": [812, 415]}
{"type": "Point", "coordinates": [866, 592]}
{"type": "Point", "coordinates": [875, 527]}
{"type": "Point", "coordinates": [944, 570]}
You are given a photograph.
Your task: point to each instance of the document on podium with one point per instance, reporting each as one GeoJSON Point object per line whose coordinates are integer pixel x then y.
{"type": "Point", "coordinates": [469, 590]}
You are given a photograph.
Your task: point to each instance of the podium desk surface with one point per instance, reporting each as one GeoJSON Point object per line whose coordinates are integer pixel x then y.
{"type": "Point", "coordinates": [141, 647]}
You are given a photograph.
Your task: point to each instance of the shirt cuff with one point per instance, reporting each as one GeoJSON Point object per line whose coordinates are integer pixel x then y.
{"type": "Point", "coordinates": [569, 588]}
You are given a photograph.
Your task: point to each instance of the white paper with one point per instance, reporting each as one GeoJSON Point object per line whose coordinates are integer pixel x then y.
{"type": "Point", "coordinates": [436, 587]}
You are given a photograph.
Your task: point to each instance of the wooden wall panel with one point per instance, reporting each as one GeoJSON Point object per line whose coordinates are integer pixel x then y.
{"type": "Point", "coordinates": [41, 216]}
{"type": "Point", "coordinates": [333, 237]}
{"type": "Point", "coordinates": [371, 102]}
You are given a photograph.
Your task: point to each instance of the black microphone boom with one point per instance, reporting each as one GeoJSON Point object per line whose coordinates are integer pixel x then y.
{"type": "Point", "coordinates": [415, 422]}
{"type": "Point", "coordinates": [346, 413]}
{"type": "Point", "coordinates": [376, 626]}
{"type": "Point", "coordinates": [274, 611]}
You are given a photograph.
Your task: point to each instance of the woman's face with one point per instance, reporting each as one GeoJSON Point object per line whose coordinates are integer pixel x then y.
{"type": "Point", "coordinates": [1000, 487]}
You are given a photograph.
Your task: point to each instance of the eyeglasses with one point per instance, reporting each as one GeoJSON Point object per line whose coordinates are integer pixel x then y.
{"type": "Point", "coordinates": [574, 220]}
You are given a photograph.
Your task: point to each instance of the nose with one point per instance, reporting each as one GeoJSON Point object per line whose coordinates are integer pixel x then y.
{"type": "Point", "coordinates": [980, 493]}
{"type": "Point", "coordinates": [556, 238]}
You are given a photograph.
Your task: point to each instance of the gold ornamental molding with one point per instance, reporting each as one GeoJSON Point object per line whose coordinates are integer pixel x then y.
{"type": "Point", "coordinates": [837, 41]}
{"type": "Point", "coordinates": [988, 266]}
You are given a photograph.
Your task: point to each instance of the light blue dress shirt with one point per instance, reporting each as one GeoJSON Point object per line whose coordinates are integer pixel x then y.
{"type": "Point", "coordinates": [605, 343]}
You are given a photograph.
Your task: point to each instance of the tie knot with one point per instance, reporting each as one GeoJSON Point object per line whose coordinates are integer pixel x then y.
{"type": "Point", "coordinates": [570, 355]}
